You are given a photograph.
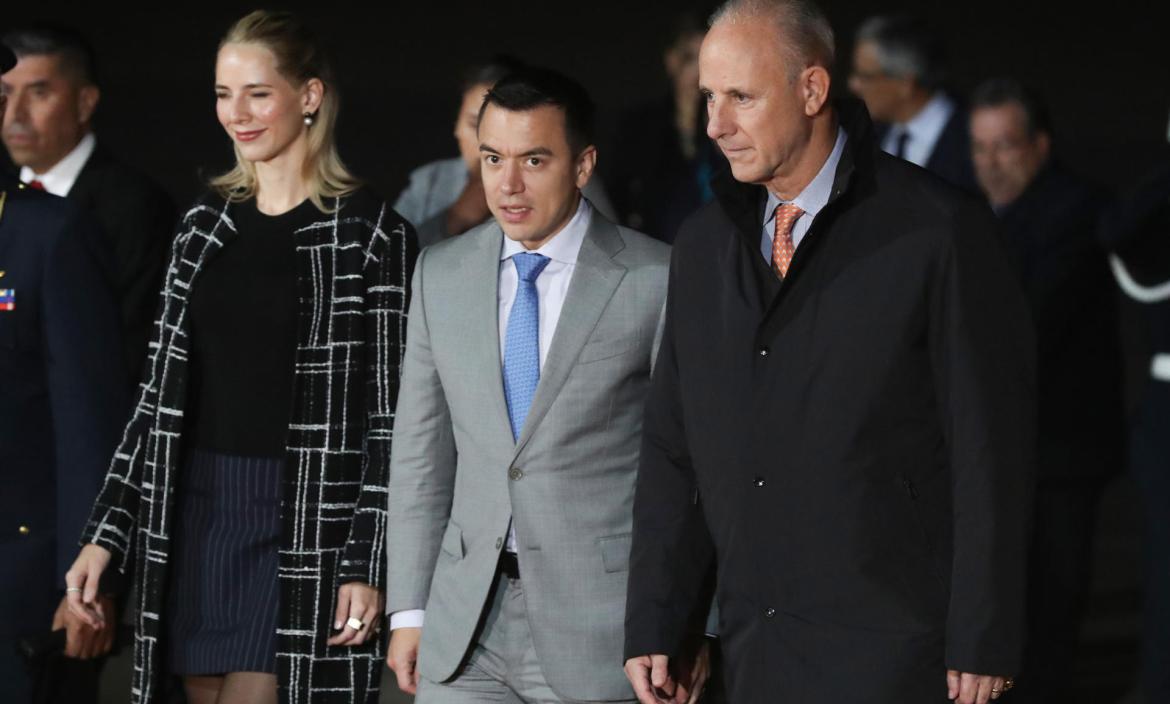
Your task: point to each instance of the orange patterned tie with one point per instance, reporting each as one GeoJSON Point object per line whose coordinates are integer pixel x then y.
{"type": "Point", "coordinates": [782, 246]}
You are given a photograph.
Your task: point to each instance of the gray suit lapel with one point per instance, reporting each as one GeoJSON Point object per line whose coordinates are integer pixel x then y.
{"type": "Point", "coordinates": [595, 279]}
{"type": "Point", "coordinates": [480, 320]}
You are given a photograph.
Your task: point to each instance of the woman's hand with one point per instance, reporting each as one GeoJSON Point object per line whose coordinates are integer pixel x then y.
{"type": "Point", "coordinates": [81, 585]}
{"type": "Point", "coordinates": [356, 602]}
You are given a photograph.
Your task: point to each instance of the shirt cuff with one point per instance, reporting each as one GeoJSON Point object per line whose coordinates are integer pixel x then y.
{"type": "Point", "coordinates": [411, 618]}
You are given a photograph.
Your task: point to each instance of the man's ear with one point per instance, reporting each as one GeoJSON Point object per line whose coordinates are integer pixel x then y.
{"type": "Point", "coordinates": [87, 102]}
{"type": "Point", "coordinates": [586, 162]}
{"type": "Point", "coordinates": [814, 89]}
{"type": "Point", "coordinates": [1044, 144]}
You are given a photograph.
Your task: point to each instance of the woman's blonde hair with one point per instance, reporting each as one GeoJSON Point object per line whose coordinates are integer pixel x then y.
{"type": "Point", "coordinates": [299, 58]}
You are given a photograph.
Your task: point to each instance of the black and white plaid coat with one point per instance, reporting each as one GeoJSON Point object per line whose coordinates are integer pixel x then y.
{"type": "Point", "coordinates": [353, 268]}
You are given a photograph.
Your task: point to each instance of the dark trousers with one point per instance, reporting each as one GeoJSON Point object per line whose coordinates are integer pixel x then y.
{"type": "Point", "coordinates": [1150, 462]}
{"type": "Point", "coordinates": [1060, 567]}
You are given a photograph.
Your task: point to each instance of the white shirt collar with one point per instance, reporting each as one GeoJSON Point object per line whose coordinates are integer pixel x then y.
{"type": "Point", "coordinates": [932, 117]}
{"type": "Point", "coordinates": [565, 245]}
{"type": "Point", "coordinates": [60, 178]}
{"type": "Point", "coordinates": [924, 129]}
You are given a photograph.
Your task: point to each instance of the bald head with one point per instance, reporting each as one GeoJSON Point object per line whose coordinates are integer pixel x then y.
{"type": "Point", "coordinates": [775, 129]}
{"type": "Point", "coordinates": [800, 31]}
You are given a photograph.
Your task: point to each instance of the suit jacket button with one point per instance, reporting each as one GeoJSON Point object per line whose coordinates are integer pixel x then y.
{"type": "Point", "coordinates": [499, 543]}
{"type": "Point", "coordinates": [764, 351]}
{"type": "Point", "coordinates": [769, 612]}
{"type": "Point", "coordinates": [515, 474]}
{"type": "Point", "coordinates": [24, 530]}
{"type": "Point", "coordinates": [759, 482]}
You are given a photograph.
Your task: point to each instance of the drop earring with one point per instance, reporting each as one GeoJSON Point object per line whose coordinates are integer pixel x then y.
{"type": "Point", "coordinates": [308, 119]}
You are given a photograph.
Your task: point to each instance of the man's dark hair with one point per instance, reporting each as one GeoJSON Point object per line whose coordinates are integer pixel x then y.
{"type": "Point", "coordinates": [74, 50]}
{"type": "Point", "coordinates": [906, 47]}
{"type": "Point", "coordinates": [997, 92]}
{"type": "Point", "coordinates": [489, 72]}
{"type": "Point", "coordinates": [532, 88]}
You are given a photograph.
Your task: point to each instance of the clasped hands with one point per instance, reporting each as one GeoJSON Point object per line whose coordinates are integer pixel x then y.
{"type": "Point", "coordinates": [657, 681]}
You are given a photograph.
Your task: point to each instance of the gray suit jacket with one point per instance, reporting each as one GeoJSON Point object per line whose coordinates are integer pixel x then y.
{"type": "Point", "coordinates": [435, 187]}
{"type": "Point", "coordinates": [457, 477]}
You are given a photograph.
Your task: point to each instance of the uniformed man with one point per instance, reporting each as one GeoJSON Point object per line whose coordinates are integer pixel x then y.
{"type": "Point", "coordinates": [62, 405]}
{"type": "Point", "coordinates": [53, 93]}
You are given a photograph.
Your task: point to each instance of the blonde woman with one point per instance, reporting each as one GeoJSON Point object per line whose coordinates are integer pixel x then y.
{"type": "Point", "coordinates": [249, 488]}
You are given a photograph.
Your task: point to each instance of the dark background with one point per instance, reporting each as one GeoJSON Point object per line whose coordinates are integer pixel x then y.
{"type": "Point", "coordinates": [1103, 67]}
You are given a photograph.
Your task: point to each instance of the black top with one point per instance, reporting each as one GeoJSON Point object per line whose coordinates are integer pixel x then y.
{"type": "Point", "coordinates": [244, 336]}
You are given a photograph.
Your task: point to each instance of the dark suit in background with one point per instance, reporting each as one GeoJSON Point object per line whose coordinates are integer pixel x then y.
{"type": "Point", "coordinates": [852, 445]}
{"type": "Point", "coordinates": [1051, 232]}
{"type": "Point", "coordinates": [62, 405]}
{"type": "Point", "coordinates": [950, 158]}
{"type": "Point", "coordinates": [137, 219]}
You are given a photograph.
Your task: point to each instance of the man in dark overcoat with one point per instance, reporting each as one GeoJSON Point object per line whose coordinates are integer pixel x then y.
{"type": "Point", "coordinates": [842, 411]}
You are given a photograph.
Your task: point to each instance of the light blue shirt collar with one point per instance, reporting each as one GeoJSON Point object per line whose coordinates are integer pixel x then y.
{"type": "Point", "coordinates": [811, 200]}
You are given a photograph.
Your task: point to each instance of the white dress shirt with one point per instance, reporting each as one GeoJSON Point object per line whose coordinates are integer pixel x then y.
{"type": "Point", "coordinates": [551, 288]}
{"type": "Point", "coordinates": [60, 179]}
{"type": "Point", "coordinates": [924, 129]}
{"type": "Point", "coordinates": [814, 197]}
{"type": "Point", "coordinates": [553, 283]}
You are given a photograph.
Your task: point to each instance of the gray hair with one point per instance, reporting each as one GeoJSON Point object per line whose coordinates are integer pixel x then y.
{"type": "Point", "coordinates": [806, 37]}
{"type": "Point", "coordinates": [905, 49]}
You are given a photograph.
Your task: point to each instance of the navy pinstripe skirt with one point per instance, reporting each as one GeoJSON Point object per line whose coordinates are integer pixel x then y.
{"type": "Point", "coordinates": [223, 598]}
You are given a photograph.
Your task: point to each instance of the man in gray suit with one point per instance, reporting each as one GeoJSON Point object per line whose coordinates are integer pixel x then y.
{"type": "Point", "coordinates": [529, 353]}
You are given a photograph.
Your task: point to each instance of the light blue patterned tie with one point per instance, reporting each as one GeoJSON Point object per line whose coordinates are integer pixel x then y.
{"type": "Point", "coordinates": [522, 340]}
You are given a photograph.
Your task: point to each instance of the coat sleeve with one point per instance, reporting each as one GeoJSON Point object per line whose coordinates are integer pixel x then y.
{"type": "Point", "coordinates": [83, 362]}
{"type": "Point", "coordinates": [982, 351]}
{"type": "Point", "coordinates": [389, 263]}
{"type": "Point", "coordinates": [114, 515]}
{"type": "Point", "coordinates": [422, 471]}
{"type": "Point", "coordinates": [672, 551]}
